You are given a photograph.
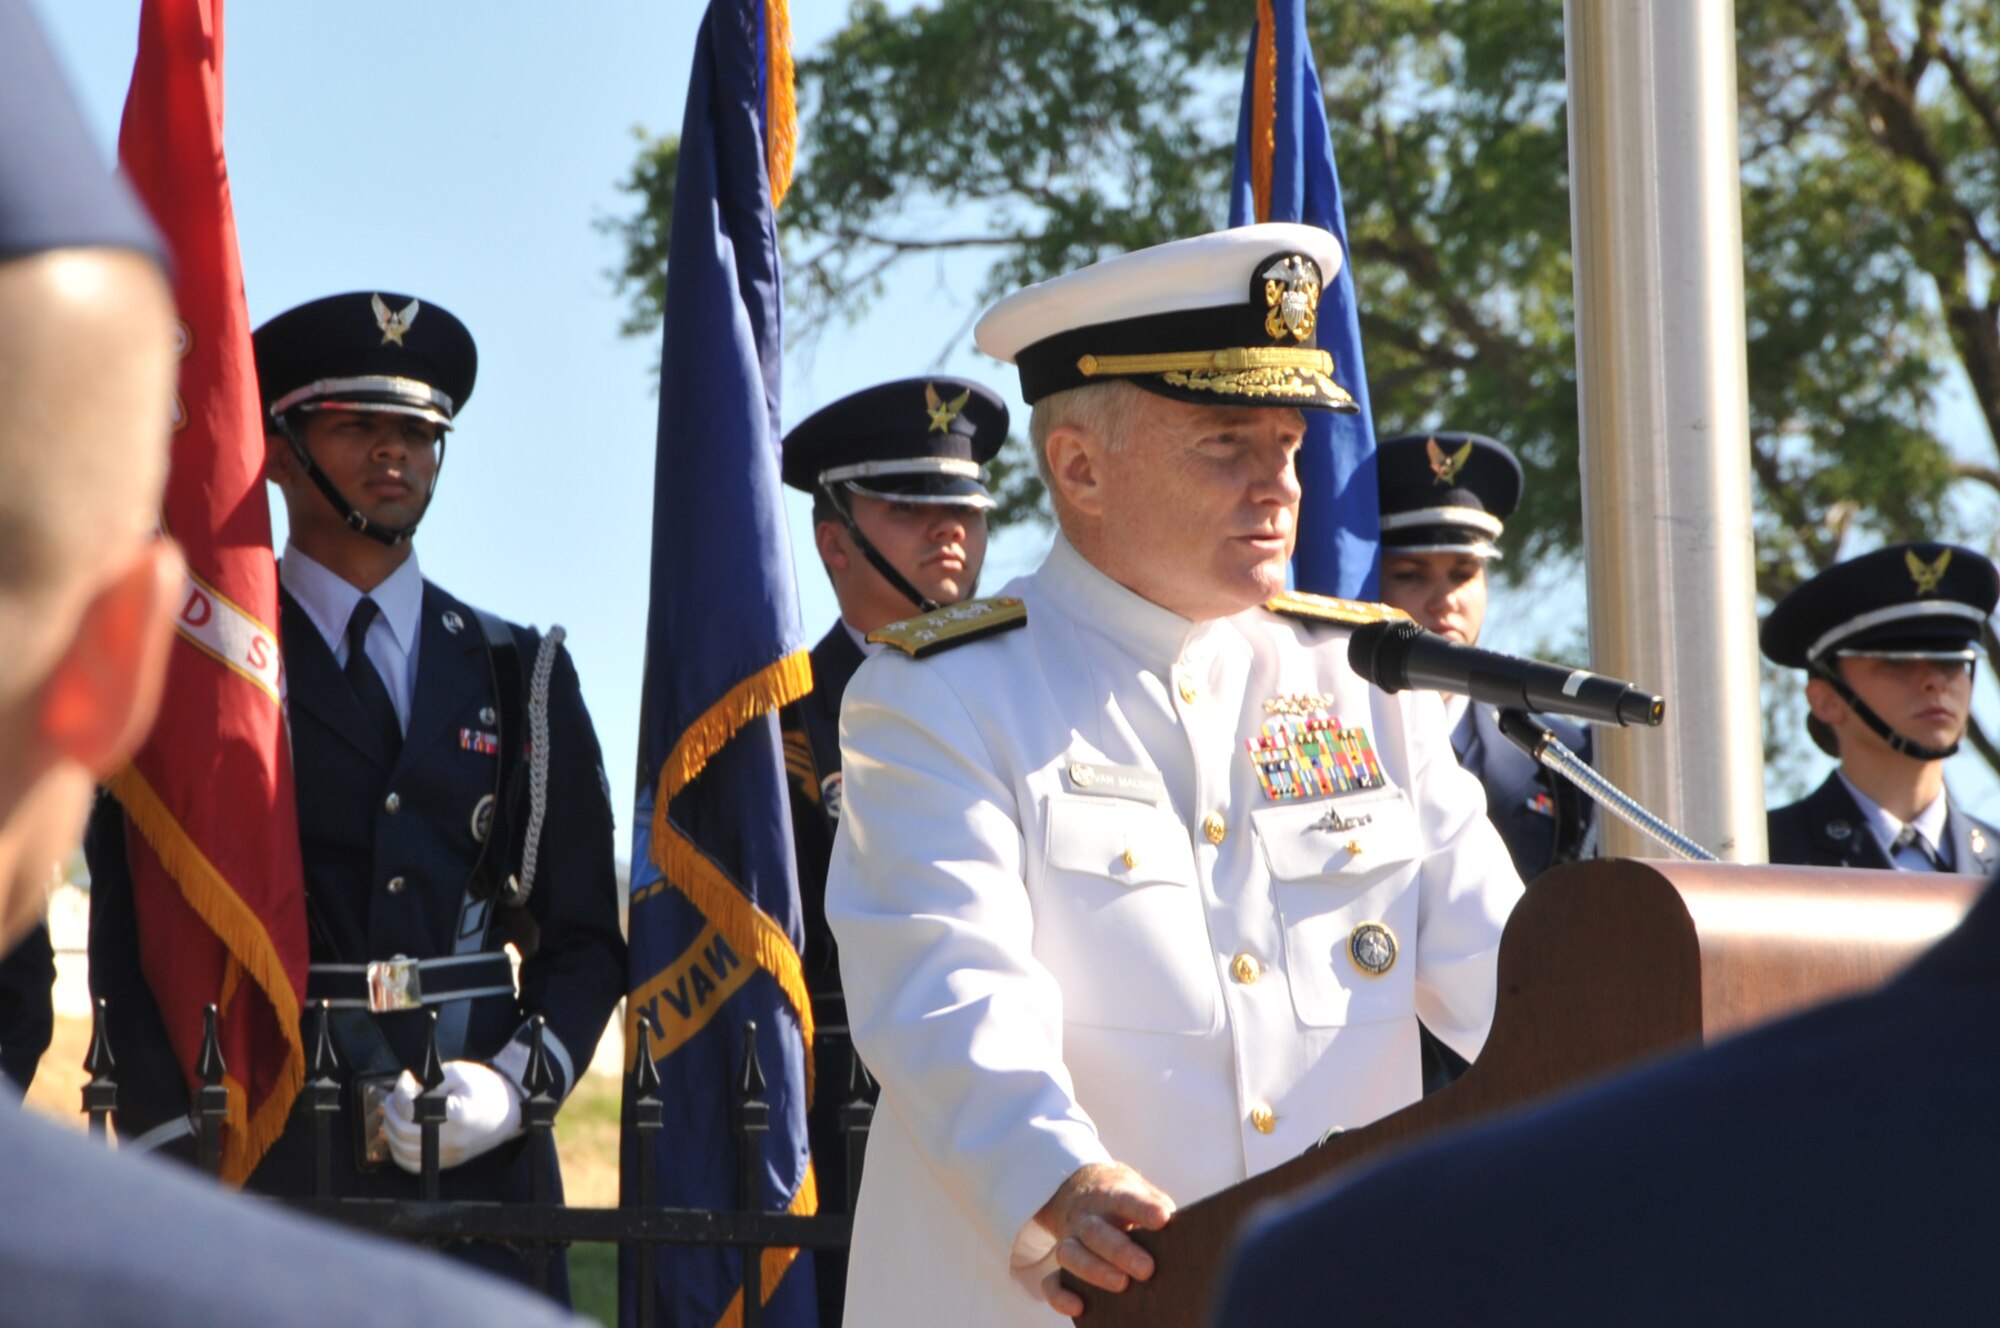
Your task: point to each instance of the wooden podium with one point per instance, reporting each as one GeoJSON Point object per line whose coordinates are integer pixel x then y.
{"type": "Point", "coordinates": [1603, 963]}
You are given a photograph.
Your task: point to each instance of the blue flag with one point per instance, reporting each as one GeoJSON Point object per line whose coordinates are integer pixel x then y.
{"type": "Point", "coordinates": [1284, 172]}
{"type": "Point", "coordinates": [715, 922]}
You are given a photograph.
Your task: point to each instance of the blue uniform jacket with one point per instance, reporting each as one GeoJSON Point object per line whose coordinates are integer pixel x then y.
{"type": "Point", "coordinates": [100, 1240]}
{"type": "Point", "coordinates": [811, 727]}
{"type": "Point", "coordinates": [1544, 820]}
{"type": "Point", "coordinates": [27, 1006]}
{"type": "Point", "coordinates": [387, 877]}
{"type": "Point", "coordinates": [1826, 829]}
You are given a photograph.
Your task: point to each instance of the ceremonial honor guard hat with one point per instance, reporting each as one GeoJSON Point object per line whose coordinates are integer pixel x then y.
{"type": "Point", "coordinates": [918, 440]}
{"type": "Point", "coordinates": [368, 351]}
{"type": "Point", "coordinates": [1225, 319]}
{"type": "Point", "coordinates": [1445, 493]}
{"type": "Point", "coordinates": [1908, 601]}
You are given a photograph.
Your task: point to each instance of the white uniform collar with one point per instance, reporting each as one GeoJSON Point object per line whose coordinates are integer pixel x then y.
{"type": "Point", "coordinates": [1929, 822]}
{"type": "Point", "coordinates": [1157, 637]}
{"type": "Point", "coordinates": [329, 601]}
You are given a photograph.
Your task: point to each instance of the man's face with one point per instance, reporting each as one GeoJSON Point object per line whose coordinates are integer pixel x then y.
{"type": "Point", "coordinates": [938, 547]}
{"type": "Point", "coordinates": [1444, 592]}
{"type": "Point", "coordinates": [382, 462]}
{"type": "Point", "coordinates": [1199, 508]}
{"type": "Point", "coordinates": [1929, 700]}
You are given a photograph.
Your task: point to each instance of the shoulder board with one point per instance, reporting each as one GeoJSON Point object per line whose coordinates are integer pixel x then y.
{"type": "Point", "coordinates": [954, 626]}
{"type": "Point", "coordinates": [1325, 608]}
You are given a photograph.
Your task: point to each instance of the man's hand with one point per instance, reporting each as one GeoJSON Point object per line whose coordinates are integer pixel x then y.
{"type": "Point", "coordinates": [482, 1111]}
{"type": "Point", "coordinates": [1089, 1216]}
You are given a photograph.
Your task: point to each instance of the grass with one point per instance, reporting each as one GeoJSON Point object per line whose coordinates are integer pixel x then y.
{"type": "Point", "coordinates": [593, 1282]}
{"type": "Point", "coordinates": [587, 1139]}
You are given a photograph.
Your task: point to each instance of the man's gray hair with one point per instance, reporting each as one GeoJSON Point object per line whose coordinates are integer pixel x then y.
{"type": "Point", "coordinates": [1105, 409]}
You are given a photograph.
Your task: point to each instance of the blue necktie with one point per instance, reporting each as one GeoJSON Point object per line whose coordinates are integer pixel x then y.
{"type": "Point", "coordinates": [368, 686]}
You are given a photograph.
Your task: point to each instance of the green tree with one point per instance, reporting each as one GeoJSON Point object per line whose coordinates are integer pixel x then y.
{"type": "Point", "coordinates": [1048, 133]}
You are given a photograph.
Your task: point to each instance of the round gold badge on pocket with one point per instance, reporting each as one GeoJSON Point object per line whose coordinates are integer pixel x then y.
{"type": "Point", "coordinates": [1372, 947]}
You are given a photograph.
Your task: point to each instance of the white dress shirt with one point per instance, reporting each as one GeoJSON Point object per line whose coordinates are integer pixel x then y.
{"type": "Point", "coordinates": [1930, 823]}
{"type": "Point", "coordinates": [860, 639]}
{"type": "Point", "coordinates": [393, 635]}
{"type": "Point", "coordinates": [1075, 927]}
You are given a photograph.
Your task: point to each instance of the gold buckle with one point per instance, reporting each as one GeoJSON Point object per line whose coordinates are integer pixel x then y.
{"type": "Point", "coordinates": [394, 984]}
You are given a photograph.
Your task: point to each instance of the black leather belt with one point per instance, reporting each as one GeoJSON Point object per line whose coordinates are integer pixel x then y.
{"type": "Point", "coordinates": [403, 983]}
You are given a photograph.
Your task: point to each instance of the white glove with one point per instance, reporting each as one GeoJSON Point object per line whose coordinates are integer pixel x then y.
{"type": "Point", "coordinates": [482, 1111]}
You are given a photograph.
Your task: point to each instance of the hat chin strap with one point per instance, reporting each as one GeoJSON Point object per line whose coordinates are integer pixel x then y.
{"type": "Point", "coordinates": [1897, 742]}
{"type": "Point", "coordinates": [359, 524]}
{"type": "Point", "coordinates": [835, 495]}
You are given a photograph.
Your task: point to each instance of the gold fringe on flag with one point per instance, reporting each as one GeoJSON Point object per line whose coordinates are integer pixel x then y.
{"type": "Point", "coordinates": [776, 1261]}
{"type": "Point", "coordinates": [750, 931]}
{"type": "Point", "coordinates": [243, 935]}
{"type": "Point", "coordinates": [781, 112]}
{"type": "Point", "coordinates": [1264, 111]}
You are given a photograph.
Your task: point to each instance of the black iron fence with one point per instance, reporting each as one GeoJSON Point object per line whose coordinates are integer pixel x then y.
{"type": "Point", "coordinates": [539, 1226]}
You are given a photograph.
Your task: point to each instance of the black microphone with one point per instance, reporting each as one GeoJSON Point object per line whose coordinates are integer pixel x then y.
{"type": "Point", "coordinates": [1399, 654]}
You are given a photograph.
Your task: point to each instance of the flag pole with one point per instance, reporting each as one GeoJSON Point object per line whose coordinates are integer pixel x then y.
{"type": "Point", "coordinates": [1664, 404]}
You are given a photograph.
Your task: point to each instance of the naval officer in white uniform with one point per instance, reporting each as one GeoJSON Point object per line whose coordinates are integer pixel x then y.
{"type": "Point", "coordinates": [1139, 889]}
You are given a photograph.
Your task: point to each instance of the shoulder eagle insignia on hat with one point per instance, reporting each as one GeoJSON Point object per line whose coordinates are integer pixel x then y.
{"type": "Point", "coordinates": [953, 626]}
{"type": "Point", "coordinates": [393, 325]}
{"type": "Point", "coordinates": [1325, 608]}
{"type": "Point", "coordinates": [1926, 575]}
{"type": "Point", "coordinates": [1291, 289]}
{"type": "Point", "coordinates": [1445, 467]}
{"type": "Point", "coordinates": [943, 412]}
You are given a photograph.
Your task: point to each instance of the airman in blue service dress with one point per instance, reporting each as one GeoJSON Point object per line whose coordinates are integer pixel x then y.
{"type": "Point", "coordinates": [410, 715]}
{"type": "Point", "coordinates": [93, 1238]}
{"type": "Point", "coordinates": [1912, 613]}
{"type": "Point", "coordinates": [1445, 498]}
{"type": "Point", "coordinates": [921, 443]}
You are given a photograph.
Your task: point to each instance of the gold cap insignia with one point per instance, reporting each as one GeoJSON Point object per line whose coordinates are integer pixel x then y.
{"type": "Point", "coordinates": [1291, 292]}
{"type": "Point", "coordinates": [1445, 467]}
{"type": "Point", "coordinates": [1926, 575]}
{"type": "Point", "coordinates": [395, 324]}
{"type": "Point", "coordinates": [943, 412]}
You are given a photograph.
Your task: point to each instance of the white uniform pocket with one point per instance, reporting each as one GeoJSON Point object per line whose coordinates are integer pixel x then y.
{"type": "Point", "coordinates": [1119, 918]}
{"type": "Point", "coordinates": [1336, 866]}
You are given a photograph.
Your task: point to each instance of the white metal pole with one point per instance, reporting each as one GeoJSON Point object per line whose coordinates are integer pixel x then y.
{"type": "Point", "coordinates": [1664, 404]}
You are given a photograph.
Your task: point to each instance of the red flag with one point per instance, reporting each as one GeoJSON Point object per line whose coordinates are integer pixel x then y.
{"type": "Point", "coordinates": [216, 880]}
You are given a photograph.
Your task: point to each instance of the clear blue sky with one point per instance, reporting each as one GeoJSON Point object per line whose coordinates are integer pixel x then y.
{"type": "Point", "coordinates": [461, 150]}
